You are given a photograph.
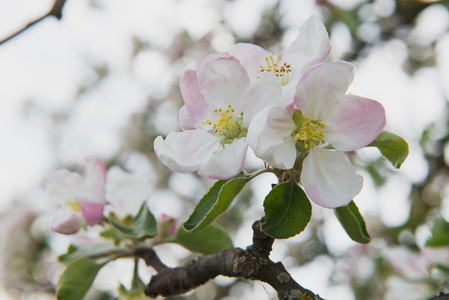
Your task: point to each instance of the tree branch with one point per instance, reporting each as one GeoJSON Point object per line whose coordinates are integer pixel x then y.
{"type": "Point", "coordinates": [252, 263]}
{"type": "Point", "coordinates": [55, 11]}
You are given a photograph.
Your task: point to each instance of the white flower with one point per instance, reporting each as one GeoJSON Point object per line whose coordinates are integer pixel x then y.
{"type": "Point", "coordinates": [325, 123]}
{"type": "Point", "coordinates": [220, 101]}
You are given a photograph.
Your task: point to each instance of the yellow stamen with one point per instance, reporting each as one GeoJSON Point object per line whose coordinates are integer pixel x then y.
{"type": "Point", "coordinates": [311, 133]}
{"type": "Point", "coordinates": [73, 204]}
{"type": "Point", "coordinates": [273, 66]}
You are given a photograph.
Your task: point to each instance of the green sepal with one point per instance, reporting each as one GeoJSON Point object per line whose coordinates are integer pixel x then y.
{"type": "Point", "coordinates": [287, 211]}
{"type": "Point", "coordinates": [207, 241]}
{"type": "Point", "coordinates": [393, 147]}
{"type": "Point", "coordinates": [143, 226]}
{"type": "Point", "coordinates": [77, 278]}
{"type": "Point", "coordinates": [216, 201]}
{"type": "Point", "coordinates": [353, 223]}
{"type": "Point", "coordinates": [96, 250]}
{"type": "Point", "coordinates": [440, 234]}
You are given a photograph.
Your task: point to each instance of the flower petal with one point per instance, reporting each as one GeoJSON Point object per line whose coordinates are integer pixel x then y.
{"type": "Point", "coordinates": [92, 211]}
{"type": "Point", "coordinates": [125, 191]}
{"type": "Point", "coordinates": [94, 181]}
{"type": "Point", "coordinates": [251, 57]}
{"type": "Point", "coordinates": [227, 161]}
{"type": "Point", "coordinates": [185, 122]}
{"type": "Point", "coordinates": [222, 80]}
{"type": "Point", "coordinates": [61, 185]}
{"type": "Point", "coordinates": [264, 92]}
{"type": "Point", "coordinates": [186, 151]}
{"type": "Point", "coordinates": [193, 99]}
{"type": "Point", "coordinates": [66, 221]}
{"type": "Point", "coordinates": [309, 48]}
{"type": "Point", "coordinates": [329, 179]}
{"type": "Point", "coordinates": [269, 135]}
{"type": "Point", "coordinates": [321, 89]}
{"type": "Point", "coordinates": [355, 123]}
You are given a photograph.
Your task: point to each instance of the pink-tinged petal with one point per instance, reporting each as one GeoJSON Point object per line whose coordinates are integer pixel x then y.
{"type": "Point", "coordinates": [61, 185]}
{"type": "Point", "coordinates": [355, 123]}
{"type": "Point", "coordinates": [309, 48]}
{"type": "Point", "coordinates": [193, 99]}
{"type": "Point", "coordinates": [92, 211]}
{"type": "Point", "coordinates": [262, 93]}
{"type": "Point", "coordinates": [125, 192]}
{"type": "Point", "coordinates": [66, 221]}
{"type": "Point", "coordinates": [251, 57]}
{"type": "Point", "coordinates": [227, 161]}
{"type": "Point", "coordinates": [329, 178]}
{"type": "Point", "coordinates": [95, 171]}
{"type": "Point", "coordinates": [185, 122]}
{"type": "Point", "coordinates": [186, 151]}
{"type": "Point", "coordinates": [269, 135]}
{"type": "Point", "coordinates": [322, 88]}
{"type": "Point", "coordinates": [222, 80]}
{"type": "Point", "coordinates": [94, 181]}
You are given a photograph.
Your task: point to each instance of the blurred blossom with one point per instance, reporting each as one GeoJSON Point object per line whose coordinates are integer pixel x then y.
{"type": "Point", "coordinates": [125, 192]}
{"type": "Point", "coordinates": [399, 288]}
{"type": "Point", "coordinates": [81, 197]}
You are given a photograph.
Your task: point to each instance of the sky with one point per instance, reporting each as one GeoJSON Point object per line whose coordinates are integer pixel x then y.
{"type": "Point", "coordinates": [43, 70]}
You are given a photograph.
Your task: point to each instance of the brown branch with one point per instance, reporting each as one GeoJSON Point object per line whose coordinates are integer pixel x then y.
{"type": "Point", "coordinates": [252, 263]}
{"type": "Point", "coordinates": [55, 11]}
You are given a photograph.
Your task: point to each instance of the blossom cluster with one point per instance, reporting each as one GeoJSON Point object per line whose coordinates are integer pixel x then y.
{"type": "Point", "coordinates": [290, 108]}
{"type": "Point", "coordinates": [83, 198]}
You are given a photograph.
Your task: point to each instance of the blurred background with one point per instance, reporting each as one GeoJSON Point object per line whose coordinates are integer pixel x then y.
{"type": "Point", "coordinates": [103, 81]}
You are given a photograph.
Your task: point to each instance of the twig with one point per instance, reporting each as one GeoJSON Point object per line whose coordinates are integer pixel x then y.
{"type": "Point", "coordinates": [55, 11]}
{"type": "Point", "coordinates": [252, 263]}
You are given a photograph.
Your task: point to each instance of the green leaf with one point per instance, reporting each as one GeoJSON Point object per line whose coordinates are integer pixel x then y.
{"type": "Point", "coordinates": [353, 223]}
{"type": "Point", "coordinates": [143, 226]}
{"type": "Point", "coordinates": [207, 241]}
{"type": "Point", "coordinates": [287, 211]}
{"type": "Point", "coordinates": [216, 202]}
{"type": "Point", "coordinates": [77, 278]}
{"type": "Point", "coordinates": [90, 251]}
{"type": "Point", "coordinates": [440, 234]}
{"type": "Point", "coordinates": [392, 146]}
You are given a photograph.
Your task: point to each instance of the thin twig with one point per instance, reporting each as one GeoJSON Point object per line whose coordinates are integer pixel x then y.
{"type": "Point", "coordinates": [55, 11]}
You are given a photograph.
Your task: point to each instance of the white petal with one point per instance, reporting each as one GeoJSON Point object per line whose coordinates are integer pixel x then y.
{"type": "Point", "coordinates": [251, 57]}
{"type": "Point", "coordinates": [329, 179]}
{"type": "Point", "coordinates": [264, 92]}
{"type": "Point", "coordinates": [269, 135]}
{"type": "Point", "coordinates": [186, 151]}
{"type": "Point", "coordinates": [61, 185]}
{"type": "Point", "coordinates": [227, 161]}
{"type": "Point", "coordinates": [222, 80]}
{"type": "Point", "coordinates": [309, 48]}
{"type": "Point", "coordinates": [185, 122]}
{"type": "Point", "coordinates": [92, 189]}
{"type": "Point", "coordinates": [355, 123]}
{"type": "Point", "coordinates": [322, 88]}
{"type": "Point", "coordinates": [125, 191]}
{"type": "Point", "coordinates": [66, 221]}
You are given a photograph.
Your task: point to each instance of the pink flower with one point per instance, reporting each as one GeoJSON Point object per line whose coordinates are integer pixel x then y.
{"type": "Point", "coordinates": [81, 198]}
{"type": "Point", "coordinates": [220, 101]}
{"type": "Point", "coordinates": [324, 123]}
{"type": "Point", "coordinates": [310, 47]}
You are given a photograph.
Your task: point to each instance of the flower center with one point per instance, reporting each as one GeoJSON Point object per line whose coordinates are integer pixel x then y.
{"type": "Point", "coordinates": [73, 205]}
{"type": "Point", "coordinates": [228, 124]}
{"type": "Point", "coordinates": [311, 133]}
{"type": "Point", "coordinates": [282, 71]}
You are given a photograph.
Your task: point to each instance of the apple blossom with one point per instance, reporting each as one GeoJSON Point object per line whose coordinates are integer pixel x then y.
{"type": "Point", "coordinates": [220, 101]}
{"type": "Point", "coordinates": [324, 123]}
{"type": "Point", "coordinates": [125, 192]}
{"type": "Point", "coordinates": [310, 47]}
{"type": "Point", "coordinates": [81, 198]}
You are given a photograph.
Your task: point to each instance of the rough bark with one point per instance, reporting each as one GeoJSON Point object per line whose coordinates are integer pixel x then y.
{"type": "Point", "coordinates": [253, 263]}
